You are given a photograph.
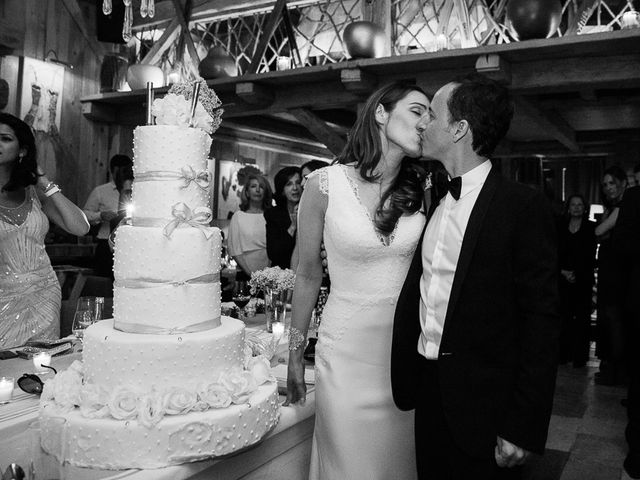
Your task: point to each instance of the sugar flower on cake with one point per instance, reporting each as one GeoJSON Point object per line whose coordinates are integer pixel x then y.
{"type": "Point", "coordinates": [240, 385]}
{"type": "Point", "coordinates": [178, 401]}
{"type": "Point", "coordinates": [274, 278]}
{"type": "Point", "coordinates": [150, 409]}
{"type": "Point", "coordinates": [175, 110]}
{"type": "Point", "coordinates": [214, 394]}
{"type": "Point", "coordinates": [260, 368]}
{"type": "Point", "coordinates": [123, 403]}
{"type": "Point", "coordinates": [93, 401]}
{"type": "Point", "coordinates": [206, 97]}
{"type": "Point", "coordinates": [66, 389]}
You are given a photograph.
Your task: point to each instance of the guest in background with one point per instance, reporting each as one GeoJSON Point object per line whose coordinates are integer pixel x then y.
{"type": "Point", "coordinates": [124, 185]}
{"type": "Point", "coordinates": [310, 166]}
{"type": "Point", "coordinates": [611, 335]}
{"type": "Point", "coordinates": [247, 242]}
{"type": "Point", "coordinates": [625, 241]}
{"type": "Point", "coordinates": [282, 220]}
{"type": "Point", "coordinates": [577, 255]}
{"type": "Point", "coordinates": [29, 290]}
{"type": "Point", "coordinates": [102, 207]}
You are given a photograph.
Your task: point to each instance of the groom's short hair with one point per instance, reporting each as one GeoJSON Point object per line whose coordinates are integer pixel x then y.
{"type": "Point", "coordinates": [486, 105]}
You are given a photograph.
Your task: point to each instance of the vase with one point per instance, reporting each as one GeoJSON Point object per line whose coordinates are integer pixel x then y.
{"type": "Point", "coordinates": [139, 74]}
{"type": "Point", "coordinates": [275, 306]}
{"type": "Point", "coordinates": [364, 39]}
{"type": "Point", "coordinates": [529, 19]}
{"type": "Point", "coordinates": [218, 63]}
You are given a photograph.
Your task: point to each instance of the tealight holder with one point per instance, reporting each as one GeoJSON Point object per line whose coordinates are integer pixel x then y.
{"type": "Point", "coordinates": [6, 389]}
{"type": "Point", "coordinates": [40, 360]}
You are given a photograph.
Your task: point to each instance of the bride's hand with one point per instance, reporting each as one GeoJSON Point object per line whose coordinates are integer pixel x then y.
{"type": "Point", "coordinates": [296, 388]}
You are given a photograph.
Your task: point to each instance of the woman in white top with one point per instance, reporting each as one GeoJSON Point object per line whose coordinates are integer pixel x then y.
{"type": "Point", "coordinates": [247, 242]}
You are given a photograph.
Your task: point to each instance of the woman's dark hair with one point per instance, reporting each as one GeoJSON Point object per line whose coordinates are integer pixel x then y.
{"type": "Point", "coordinates": [486, 105]}
{"type": "Point", "coordinates": [584, 202]}
{"type": "Point", "coordinates": [244, 196]}
{"type": "Point", "coordinates": [25, 169]}
{"type": "Point", "coordinates": [118, 161]}
{"type": "Point", "coordinates": [615, 171]}
{"type": "Point", "coordinates": [279, 182]}
{"type": "Point", "coordinates": [313, 165]}
{"type": "Point", "coordinates": [364, 148]}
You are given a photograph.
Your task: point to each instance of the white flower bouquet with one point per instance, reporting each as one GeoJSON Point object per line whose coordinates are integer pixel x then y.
{"type": "Point", "coordinates": [275, 279]}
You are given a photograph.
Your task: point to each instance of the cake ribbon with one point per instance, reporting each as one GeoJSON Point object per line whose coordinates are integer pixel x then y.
{"type": "Point", "coordinates": [199, 217]}
{"type": "Point", "coordinates": [154, 330]}
{"type": "Point", "coordinates": [150, 283]}
{"type": "Point", "coordinates": [202, 178]}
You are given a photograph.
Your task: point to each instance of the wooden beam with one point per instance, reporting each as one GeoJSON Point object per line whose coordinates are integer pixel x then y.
{"type": "Point", "coordinates": [184, 23]}
{"type": "Point", "coordinates": [267, 33]}
{"type": "Point", "coordinates": [357, 81]}
{"type": "Point", "coordinates": [99, 112]}
{"type": "Point", "coordinates": [319, 129]}
{"type": "Point", "coordinates": [164, 42]}
{"type": "Point", "coordinates": [254, 93]}
{"type": "Point", "coordinates": [75, 12]}
{"type": "Point", "coordinates": [554, 127]}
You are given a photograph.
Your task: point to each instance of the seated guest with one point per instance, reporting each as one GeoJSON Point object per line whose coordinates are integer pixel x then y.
{"type": "Point", "coordinates": [30, 296]}
{"type": "Point", "coordinates": [576, 255]}
{"type": "Point", "coordinates": [282, 220]}
{"type": "Point", "coordinates": [102, 207]}
{"type": "Point", "coordinates": [247, 242]}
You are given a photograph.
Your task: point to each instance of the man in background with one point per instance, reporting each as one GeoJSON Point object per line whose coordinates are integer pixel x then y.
{"type": "Point", "coordinates": [102, 207]}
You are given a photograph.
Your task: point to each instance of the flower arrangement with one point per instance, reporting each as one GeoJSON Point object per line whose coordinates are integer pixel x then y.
{"type": "Point", "coordinates": [275, 279]}
{"type": "Point", "coordinates": [68, 391]}
{"type": "Point", "coordinates": [175, 107]}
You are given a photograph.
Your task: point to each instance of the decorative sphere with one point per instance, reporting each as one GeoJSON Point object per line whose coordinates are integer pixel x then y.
{"type": "Point", "coordinates": [218, 63]}
{"type": "Point", "coordinates": [528, 19]}
{"type": "Point", "coordinates": [363, 39]}
{"type": "Point", "coordinates": [138, 75]}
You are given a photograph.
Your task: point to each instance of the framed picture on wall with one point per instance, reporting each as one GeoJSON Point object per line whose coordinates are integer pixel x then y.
{"type": "Point", "coordinates": [41, 94]}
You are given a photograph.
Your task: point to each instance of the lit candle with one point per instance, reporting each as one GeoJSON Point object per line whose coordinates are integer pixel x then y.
{"type": "Point", "coordinates": [283, 63]}
{"type": "Point", "coordinates": [40, 359]}
{"type": "Point", "coordinates": [278, 329]}
{"type": "Point", "coordinates": [6, 389]}
{"type": "Point", "coordinates": [149, 103]}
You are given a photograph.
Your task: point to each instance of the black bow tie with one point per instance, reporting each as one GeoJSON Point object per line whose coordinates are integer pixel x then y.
{"type": "Point", "coordinates": [454, 186]}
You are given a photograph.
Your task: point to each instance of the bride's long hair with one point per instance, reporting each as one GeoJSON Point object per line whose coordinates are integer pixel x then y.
{"type": "Point", "coordinates": [364, 148]}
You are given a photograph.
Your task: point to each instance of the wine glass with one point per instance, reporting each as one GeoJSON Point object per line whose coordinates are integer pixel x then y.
{"type": "Point", "coordinates": [241, 296]}
{"type": "Point", "coordinates": [81, 320]}
{"type": "Point", "coordinates": [93, 305]}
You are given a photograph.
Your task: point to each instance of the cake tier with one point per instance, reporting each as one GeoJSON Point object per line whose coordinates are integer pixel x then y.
{"type": "Point", "coordinates": [146, 254]}
{"type": "Point", "coordinates": [116, 444]}
{"type": "Point", "coordinates": [162, 148]}
{"type": "Point", "coordinates": [144, 362]}
{"type": "Point", "coordinates": [167, 309]}
{"type": "Point", "coordinates": [155, 199]}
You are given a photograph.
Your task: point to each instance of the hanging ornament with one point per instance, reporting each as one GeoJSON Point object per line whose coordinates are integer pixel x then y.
{"type": "Point", "coordinates": [128, 21]}
{"type": "Point", "coordinates": [152, 8]}
{"type": "Point", "coordinates": [144, 8]}
{"type": "Point", "coordinates": [529, 19]}
{"type": "Point", "coordinates": [107, 7]}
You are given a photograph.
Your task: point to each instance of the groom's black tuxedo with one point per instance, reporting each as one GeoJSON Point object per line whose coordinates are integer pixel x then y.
{"type": "Point", "coordinates": [497, 358]}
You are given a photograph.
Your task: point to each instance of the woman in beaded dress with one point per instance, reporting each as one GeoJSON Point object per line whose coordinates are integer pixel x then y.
{"type": "Point", "coordinates": [29, 290]}
{"type": "Point", "coordinates": [367, 210]}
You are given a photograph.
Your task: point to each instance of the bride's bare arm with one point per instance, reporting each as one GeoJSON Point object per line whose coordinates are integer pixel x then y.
{"type": "Point", "coordinates": [308, 279]}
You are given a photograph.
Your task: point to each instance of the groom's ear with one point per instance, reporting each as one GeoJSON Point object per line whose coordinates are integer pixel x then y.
{"type": "Point", "coordinates": [460, 130]}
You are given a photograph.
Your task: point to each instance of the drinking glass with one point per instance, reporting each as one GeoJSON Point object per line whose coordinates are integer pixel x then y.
{"type": "Point", "coordinates": [81, 320]}
{"type": "Point", "coordinates": [94, 305]}
{"type": "Point", "coordinates": [241, 296]}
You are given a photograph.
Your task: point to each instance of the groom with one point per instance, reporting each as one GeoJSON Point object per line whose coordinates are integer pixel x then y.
{"type": "Point", "coordinates": [476, 326]}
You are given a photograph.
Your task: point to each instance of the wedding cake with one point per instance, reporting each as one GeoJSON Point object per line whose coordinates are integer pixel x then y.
{"type": "Point", "coordinates": [168, 380]}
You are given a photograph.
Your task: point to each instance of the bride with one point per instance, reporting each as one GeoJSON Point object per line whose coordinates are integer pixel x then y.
{"type": "Point", "coordinates": [366, 209]}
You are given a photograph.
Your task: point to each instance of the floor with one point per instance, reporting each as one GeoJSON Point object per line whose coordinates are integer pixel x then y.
{"type": "Point", "coordinates": [586, 433]}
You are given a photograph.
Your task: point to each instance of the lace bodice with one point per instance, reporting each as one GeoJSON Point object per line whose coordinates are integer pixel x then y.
{"type": "Point", "coordinates": [364, 266]}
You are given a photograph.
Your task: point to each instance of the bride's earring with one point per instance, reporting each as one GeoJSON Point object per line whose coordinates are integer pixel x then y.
{"type": "Point", "coordinates": [20, 157]}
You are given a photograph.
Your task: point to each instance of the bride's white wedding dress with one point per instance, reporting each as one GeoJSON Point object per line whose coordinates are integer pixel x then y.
{"type": "Point", "coordinates": [359, 432]}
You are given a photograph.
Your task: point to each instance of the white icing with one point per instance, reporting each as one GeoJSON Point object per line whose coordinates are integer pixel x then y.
{"type": "Point", "coordinates": [115, 444]}
{"type": "Point", "coordinates": [114, 358]}
{"type": "Point", "coordinates": [155, 199]}
{"type": "Point", "coordinates": [146, 253]}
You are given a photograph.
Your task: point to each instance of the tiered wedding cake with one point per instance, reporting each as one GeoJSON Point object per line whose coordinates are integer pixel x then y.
{"type": "Point", "coordinates": [166, 381]}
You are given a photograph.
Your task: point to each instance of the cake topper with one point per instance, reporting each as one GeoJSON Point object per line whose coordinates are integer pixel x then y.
{"type": "Point", "coordinates": [175, 107]}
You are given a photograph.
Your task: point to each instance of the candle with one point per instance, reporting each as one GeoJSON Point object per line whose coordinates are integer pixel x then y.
{"type": "Point", "coordinates": [6, 389]}
{"type": "Point", "coordinates": [40, 359]}
{"type": "Point", "coordinates": [194, 102]}
{"type": "Point", "coordinates": [149, 103]}
{"type": "Point", "coordinates": [283, 63]}
{"type": "Point", "coordinates": [278, 329]}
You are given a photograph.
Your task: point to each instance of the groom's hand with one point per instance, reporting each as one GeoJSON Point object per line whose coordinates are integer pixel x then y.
{"type": "Point", "coordinates": [509, 455]}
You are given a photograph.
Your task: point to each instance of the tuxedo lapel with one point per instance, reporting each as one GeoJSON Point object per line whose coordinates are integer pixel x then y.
{"type": "Point", "coordinates": [470, 239]}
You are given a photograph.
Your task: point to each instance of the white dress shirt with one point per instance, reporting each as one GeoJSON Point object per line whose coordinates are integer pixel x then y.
{"type": "Point", "coordinates": [440, 251]}
{"type": "Point", "coordinates": [103, 198]}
